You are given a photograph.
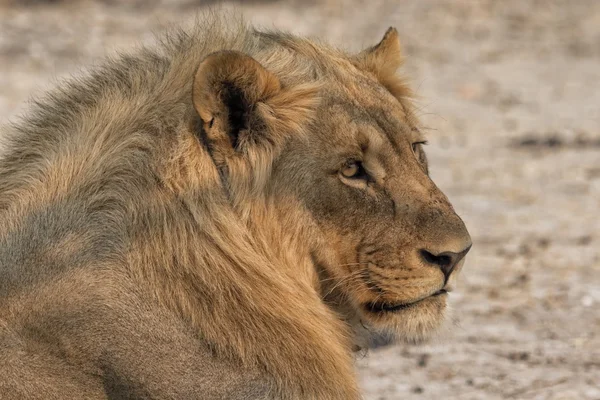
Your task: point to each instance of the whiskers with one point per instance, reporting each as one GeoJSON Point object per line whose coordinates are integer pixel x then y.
{"type": "Point", "coordinates": [353, 278]}
{"type": "Point", "coordinates": [359, 280]}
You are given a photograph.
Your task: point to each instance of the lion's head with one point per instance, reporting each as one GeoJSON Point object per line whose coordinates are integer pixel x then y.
{"type": "Point", "coordinates": [332, 138]}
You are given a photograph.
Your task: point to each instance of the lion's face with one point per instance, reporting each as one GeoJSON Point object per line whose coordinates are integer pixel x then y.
{"type": "Point", "coordinates": [388, 242]}
{"type": "Point", "coordinates": [392, 239]}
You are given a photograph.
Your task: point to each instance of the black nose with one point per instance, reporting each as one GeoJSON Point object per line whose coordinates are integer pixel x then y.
{"type": "Point", "coordinates": [446, 260]}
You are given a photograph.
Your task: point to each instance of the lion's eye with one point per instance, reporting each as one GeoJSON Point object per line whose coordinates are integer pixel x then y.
{"type": "Point", "coordinates": [353, 170]}
{"type": "Point", "coordinates": [415, 146]}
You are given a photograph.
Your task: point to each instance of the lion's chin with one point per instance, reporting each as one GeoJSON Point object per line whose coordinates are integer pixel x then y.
{"type": "Point", "coordinates": [414, 322]}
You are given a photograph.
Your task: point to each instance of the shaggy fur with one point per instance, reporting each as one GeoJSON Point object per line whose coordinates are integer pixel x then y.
{"type": "Point", "coordinates": [180, 223]}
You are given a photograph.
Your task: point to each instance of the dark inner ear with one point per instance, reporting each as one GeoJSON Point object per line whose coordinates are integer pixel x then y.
{"type": "Point", "coordinates": [238, 111]}
{"type": "Point", "coordinates": [227, 87]}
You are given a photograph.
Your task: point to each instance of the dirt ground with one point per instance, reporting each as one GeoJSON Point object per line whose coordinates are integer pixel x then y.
{"type": "Point", "coordinates": [511, 93]}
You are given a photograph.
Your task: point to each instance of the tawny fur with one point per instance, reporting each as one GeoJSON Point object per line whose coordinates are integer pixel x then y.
{"type": "Point", "coordinates": [144, 254]}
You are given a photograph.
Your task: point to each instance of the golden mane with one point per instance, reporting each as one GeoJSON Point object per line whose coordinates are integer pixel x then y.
{"type": "Point", "coordinates": [112, 148]}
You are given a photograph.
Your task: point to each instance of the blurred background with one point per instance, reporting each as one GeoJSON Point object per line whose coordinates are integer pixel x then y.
{"type": "Point", "coordinates": [510, 93]}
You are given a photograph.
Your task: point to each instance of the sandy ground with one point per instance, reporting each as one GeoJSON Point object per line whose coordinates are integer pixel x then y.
{"type": "Point", "coordinates": [511, 92]}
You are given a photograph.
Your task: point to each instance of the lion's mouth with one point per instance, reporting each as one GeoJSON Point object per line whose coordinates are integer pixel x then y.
{"type": "Point", "coordinates": [381, 307]}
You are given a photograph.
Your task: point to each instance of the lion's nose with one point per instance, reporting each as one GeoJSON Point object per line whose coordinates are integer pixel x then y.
{"type": "Point", "coordinates": [446, 260]}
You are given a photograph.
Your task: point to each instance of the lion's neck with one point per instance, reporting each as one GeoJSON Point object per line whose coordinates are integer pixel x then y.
{"type": "Point", "coordinates": [243, 280]}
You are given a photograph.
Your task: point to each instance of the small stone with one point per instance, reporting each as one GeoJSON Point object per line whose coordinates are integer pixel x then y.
{"type": "Point", "coordinates": [587, 301]}
{"type": "Point", "coordinates": [417, 389]}
{"type": "Point", "coordinates": [543, 243]}
{"type": "Point", "coordinates": [584, 240]}
{"type": "Point", "coordinates": [423, 360]}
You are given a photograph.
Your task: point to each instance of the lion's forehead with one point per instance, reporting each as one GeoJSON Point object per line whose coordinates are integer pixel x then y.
{"type": "Point", "coordinates": [350, 118]}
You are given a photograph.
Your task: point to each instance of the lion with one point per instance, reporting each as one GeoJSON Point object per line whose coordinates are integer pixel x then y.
{"type": "Point", "coordinates": [220, 216]}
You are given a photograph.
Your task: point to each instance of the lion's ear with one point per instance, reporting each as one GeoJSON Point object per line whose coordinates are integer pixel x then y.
{"type": "Point", "coordinates": [227, 87]}
{"type": "Point", "coordinates": [383, 60]}
{"type": "Point", "coordinates": [385, 57]}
